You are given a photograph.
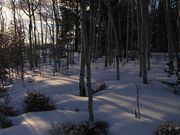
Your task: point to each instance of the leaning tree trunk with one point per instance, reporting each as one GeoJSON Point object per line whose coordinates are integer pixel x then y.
{"type": "Point", "coordinates": [86, 43]}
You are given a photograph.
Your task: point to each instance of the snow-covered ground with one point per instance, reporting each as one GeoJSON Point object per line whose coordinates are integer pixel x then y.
{"type": "Point", "coordinates": [116, 105]}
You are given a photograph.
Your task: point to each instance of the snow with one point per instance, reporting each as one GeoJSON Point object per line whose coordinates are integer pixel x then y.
{"type": "Point", "coordinates": [116, 104]}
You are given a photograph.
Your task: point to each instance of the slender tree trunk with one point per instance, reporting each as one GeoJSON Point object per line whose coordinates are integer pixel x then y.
{"type": "Point", "coordinates": [127, 31]}
{"type": "Point", "coordinates": [46, 36]}
{"type": "Point", "coordinates": [132, 29]}
{"type": "Point", "coordinates": [87, 57]}
{"type": "Point", "coordinates": [42, 33]}
{"type": "Point", "coordinates": [169, 31]}
{"type": "Point", "coordinates": [98, 41]}
{"type": "Point", "coordinates": [35, 40]}
{"type": "Point", "coordinates": [139, 36]}
{"type": "Point", "coordinates": [77, 26]}
{"type": "Point", "coordinates": [144, 7]}
{"type": "Point", "coordinates": [116, 41]}
{"type": "Point", "coordinates": [178, 21]}
{"type": "Point", "coordinates": [92, 29]}
{"type": "Point", "coordinates": [30, 43]}
{"type": "Point", "coordinates": [148, 41]}
{"type": "Point", "coordinates": [120, 34]}
{"type": "Point", "coordinates": [178, 46]}
{"type": "Point", "coordinates": [21, 41]}
{"type": "Point", "coordinates": [58, 51]}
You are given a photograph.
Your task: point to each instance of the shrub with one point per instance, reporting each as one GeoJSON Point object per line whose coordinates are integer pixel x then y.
{"type": "Point", "coordinates": [5, 122]}
{"type": "Point", "coordinates": [3, 91]}
{"type": "Point", "coordinates": [5, 108]}
{"type": "Point", "coordinates": [35, 101]}
{"type": "Point", "coordinates": [66, 128]}
{"type": "Point", "coordinates": [77, 109]}
{"type": "Point", "coordinates": [8, 110]}
{"type": "Point", "coordinates": [85, 128]}
{"type": "Point", "coordinates": [94, 128]}
{"type": "Point", "coordinates": [168, 129]}
{"type": "Point", "coordinates": [100, 87]}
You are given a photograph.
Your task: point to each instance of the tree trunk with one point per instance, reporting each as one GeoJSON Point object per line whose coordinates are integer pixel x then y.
{"type": "Point", "coordinates": [86, 43]}
{"type": "Point", "coordinates": [169, 31]}
{"type": "Point", "coordinates": [148, 49]}
{"type": "Point", "coordinates": [127, 34]}
{"type": "Point", "coordinates": [30, 43]}
{"type": "Point", "coordinates": [42, 33]}
{"type": "Point", "coordinates": [178, 21]}
{"type": "Point", "coordinates": [77, 27]}
{"type": "Point", "coordinates": [178, 46]}
{"type": "Point", "coordinates": [35, 40]}
{"type": "Point", "coordinates": [144, 8]}
{"type": "Point", "coordinates": [139, 36]}
{"type": "Point", "coordinates": [132, 29]}
{"type": "Point", "coordinates": [116, 41]}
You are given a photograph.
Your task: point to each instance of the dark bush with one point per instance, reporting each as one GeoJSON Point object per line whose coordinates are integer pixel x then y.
{"type": "Point", "coordinates": [8, 110]}
{"type": "Point", "coordinates": [85, 128]}
{"type": "Point", "coordinates": [168, 128]}
{"type": "Point", "coordinates": [66, 128]}
{"type": "Point", "coordinates": [5, 122]}
{"type": "Point", "coordinates": [3, 91]}
{"type": "Point", "coordinates": [94, 128]}
{"type": "Point", "coordinates": [5, 108]}
{"type": "Point", "coordinates": [100, 87]}
{"type": "Point", "coordinates": [35, 101]}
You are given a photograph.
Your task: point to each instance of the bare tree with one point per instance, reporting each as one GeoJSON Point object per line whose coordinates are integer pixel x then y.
{"type": "Point", "coordinates": [29, 7]}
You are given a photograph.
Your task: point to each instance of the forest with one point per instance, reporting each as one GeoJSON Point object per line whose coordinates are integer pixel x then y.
{"type": "Point", "coordinates": [114, 64]}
